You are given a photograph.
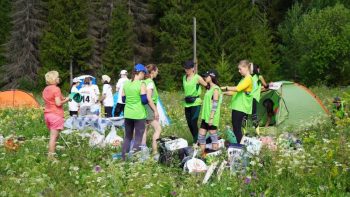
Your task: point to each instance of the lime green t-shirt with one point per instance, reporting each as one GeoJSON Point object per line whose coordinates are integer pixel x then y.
{"type": "Point", "coordinates": [134, 109]}
{"type": "Point", "coordinates": [154, 92]}
{"type": "Point", "coordinates": [192, 88]}
{"type": "Point", "coordinates": [207, 106]}
{"type": "Point", "coordinates": [243, 100]}
{"type": "Point", "coordinates": [256, 88]}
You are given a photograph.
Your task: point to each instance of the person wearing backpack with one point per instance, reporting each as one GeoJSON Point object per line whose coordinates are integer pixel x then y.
{"type": "Point", "coordinates": [242, 100]}
{"type": "Point", "coordinates": [192, 101]}
{"type": "Point", "coordinates": [211, 111]}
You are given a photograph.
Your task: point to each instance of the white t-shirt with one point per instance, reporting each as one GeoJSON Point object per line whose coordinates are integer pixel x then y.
{"type": "Point", "coordinates": [120, 85]}
{"type": "Point", "coordinates": [72, 105]}
{"type": "Point", "coordinates": [96, 90]}
{"type": "Point", "coordinates": [107, 91]}
{"type": "Point", "coordinates": [89, 96]}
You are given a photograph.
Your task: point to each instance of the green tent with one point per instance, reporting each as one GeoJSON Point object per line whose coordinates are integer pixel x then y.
{"type": "Point", "coordinates": [294, 106]}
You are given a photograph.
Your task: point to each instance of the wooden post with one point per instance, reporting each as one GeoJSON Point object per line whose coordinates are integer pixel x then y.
{"type": "Point", "coordinates": [195, 45]}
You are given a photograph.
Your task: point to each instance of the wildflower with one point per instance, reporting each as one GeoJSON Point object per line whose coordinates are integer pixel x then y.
{"type": "Point", "coordinates": [252, 163]}
{"type": "Point", "coordinates": [247, 180]}
{"type": "Point", "coordinates": [173, 193]}
{"type": "Point", "coordinates": [97, 168]}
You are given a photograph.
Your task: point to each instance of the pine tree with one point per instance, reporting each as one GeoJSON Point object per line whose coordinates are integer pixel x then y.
{"type": "Point", "coordinates": [22, 51]}
{"type": "Point", "coordinates": [142, 19]}
{"type": "Point", "coordinates": [174, 40]}
{"type": "Point", "coordinates": [100, 14]}
{"type": "Point", "coordinates": [119, 52]}
{"type": "Point", "coordinates": [224, 70]}
{"type": "Point", "coordinates": [5, 9]}
{"type": "Point", "coordinates": [65, 41]}
{"type": "Point", "coordinates": [242, 34]}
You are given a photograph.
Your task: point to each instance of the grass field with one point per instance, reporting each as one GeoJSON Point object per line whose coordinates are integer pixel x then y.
{"type": "Point", "coordinates": [321, 168]}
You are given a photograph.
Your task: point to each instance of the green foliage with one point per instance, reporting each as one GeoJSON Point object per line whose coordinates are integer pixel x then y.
{"type": "Point", "coordinates": [118, 54]}
{"type": "Point", "coordinates": [319, 46]}
{"type": "Point", "coordinates": [224, 70]}
{"type": "Point", "coordinates": [319, 168]}
{"type": "Point", "coordinates": [65, 38]}
{"type": "Point", "coordinates": [241, 35]}
{"type": "Point", "coordinates": [175, 41]}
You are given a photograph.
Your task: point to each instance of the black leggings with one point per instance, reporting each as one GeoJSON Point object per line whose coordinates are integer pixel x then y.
{"type": "Point", "coordinates": [130, 126]}
{"type": "Point", "coordinates": [108, 112]}
{"type": "Point", "coordinates": [254, 113]}
{"type": "Point", "coordinates": [237, 119]}
{"type": "Point", "coordinates": [192, 114]}
{"type": "Point", "coordinates": [119, 109]}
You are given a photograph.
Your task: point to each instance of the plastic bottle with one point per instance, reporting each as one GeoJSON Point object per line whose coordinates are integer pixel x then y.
{"type": "Point", "coordinates": [144, 153]}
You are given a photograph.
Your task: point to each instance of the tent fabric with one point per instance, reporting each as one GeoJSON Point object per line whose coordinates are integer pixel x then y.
{"type": "Point", "coordinates": [17, 99]}
{"type": "Point", "coordinates": [294, 106]}
{"type": "Point", "coordinates": [81, 79]}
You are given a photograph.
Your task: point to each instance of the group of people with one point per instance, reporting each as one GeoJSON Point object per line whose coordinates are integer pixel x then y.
{"type": "Point", "coordinates": [245, 97]}
{"type": "Point", "coordinates": [90, 98]}
{"type": "Point", "coordinates": [137, 99]}
{"type": "Point", "coordinates": [138, 102]}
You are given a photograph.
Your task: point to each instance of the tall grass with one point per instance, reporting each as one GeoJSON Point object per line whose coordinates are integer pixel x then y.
{"type": "Point", "coordinates": [321, 168]}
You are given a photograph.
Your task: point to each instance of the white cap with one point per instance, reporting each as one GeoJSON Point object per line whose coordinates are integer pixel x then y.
{"type": "Point", "coordinates": [76, 80]}
{"type": "Point", "coordinates": [123, 72]}
{"type": "Point", "coordinates": [106, 78]}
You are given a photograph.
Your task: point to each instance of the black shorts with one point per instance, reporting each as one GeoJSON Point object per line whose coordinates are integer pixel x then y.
{"type": "Point", "coordinates": [206, 126]}
{"type": "Point", "coordinates": [71, 113]}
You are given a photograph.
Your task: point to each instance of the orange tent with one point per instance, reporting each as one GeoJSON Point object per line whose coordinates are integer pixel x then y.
{"type": "Point", "coordinates": [17, 99]}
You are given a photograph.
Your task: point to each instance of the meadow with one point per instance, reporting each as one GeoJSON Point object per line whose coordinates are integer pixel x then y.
{"type": "Point", "coordinates": [320, 168]}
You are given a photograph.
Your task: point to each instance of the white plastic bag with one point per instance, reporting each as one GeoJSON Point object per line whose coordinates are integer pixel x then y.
{"type": "Point", "coordinates": [96, 139]}
{"type": "Point", "coordinates": [112, 138]}
{"type": "Point", "coordinates": [253, 145]}
{"type": "Point", "coordinates": [195, 165]}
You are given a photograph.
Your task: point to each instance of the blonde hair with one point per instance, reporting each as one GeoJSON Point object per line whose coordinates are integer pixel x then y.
{"type": "Point", "coordinates": [51, 77]}
{"type": "Point", "coordinates": [246, 63]}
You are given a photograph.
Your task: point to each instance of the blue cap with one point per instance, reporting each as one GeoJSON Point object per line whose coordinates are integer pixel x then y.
{"type": "Point", "coordinates": [140, 68]}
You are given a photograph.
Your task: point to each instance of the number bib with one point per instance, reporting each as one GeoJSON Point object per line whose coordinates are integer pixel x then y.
{"type": "Point", "coordinates": [88, 97]}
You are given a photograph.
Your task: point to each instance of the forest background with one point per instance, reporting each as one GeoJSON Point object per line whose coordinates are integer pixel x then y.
{"type": "Point", "coordinates": [307, 41]}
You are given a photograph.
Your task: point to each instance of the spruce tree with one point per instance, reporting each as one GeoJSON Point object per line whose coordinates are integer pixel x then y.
{"type": "Point", "coordinates": [119, 52]}
{"type": "Point", "coordinates": [100, 14]}
{"type": "Point", "coordinates": [174, 40]}
{"type": "Point", "coordinates": [142, 19]}
{"type": "Point", "coordinates": [22, 49]}
{"type": "Point", "coordinates": [65, 41]}
{"type": "Point", "coordinates": [5, 9]}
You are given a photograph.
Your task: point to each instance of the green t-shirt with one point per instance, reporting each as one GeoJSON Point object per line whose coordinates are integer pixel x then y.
{"type": "Point", "coordinates": [256, 88]}
{"type": "Point", "coordinates": [192, 88]}
{"type": "Point", "coordinates": [207, 106]}
{"type": "Point", "coordinates": [154, 92]}
{"type": "Point", "coordinates": [134, 109]}
{"type": "Point", "coordinates": [242, 101]}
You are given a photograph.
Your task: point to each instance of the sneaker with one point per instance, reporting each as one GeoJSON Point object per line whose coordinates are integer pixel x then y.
{"type": "Point", "coordinates": [156, 157]}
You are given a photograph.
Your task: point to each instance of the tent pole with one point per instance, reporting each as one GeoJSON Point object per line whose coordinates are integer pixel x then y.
{"type": "Point", "coordinates": [195, 45]}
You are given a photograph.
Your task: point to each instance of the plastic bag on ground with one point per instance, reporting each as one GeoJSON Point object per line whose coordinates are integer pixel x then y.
{"type": "Point", "coordinates": [96, 139]}
{"type": "Point", "coordinates": [112, 138]}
